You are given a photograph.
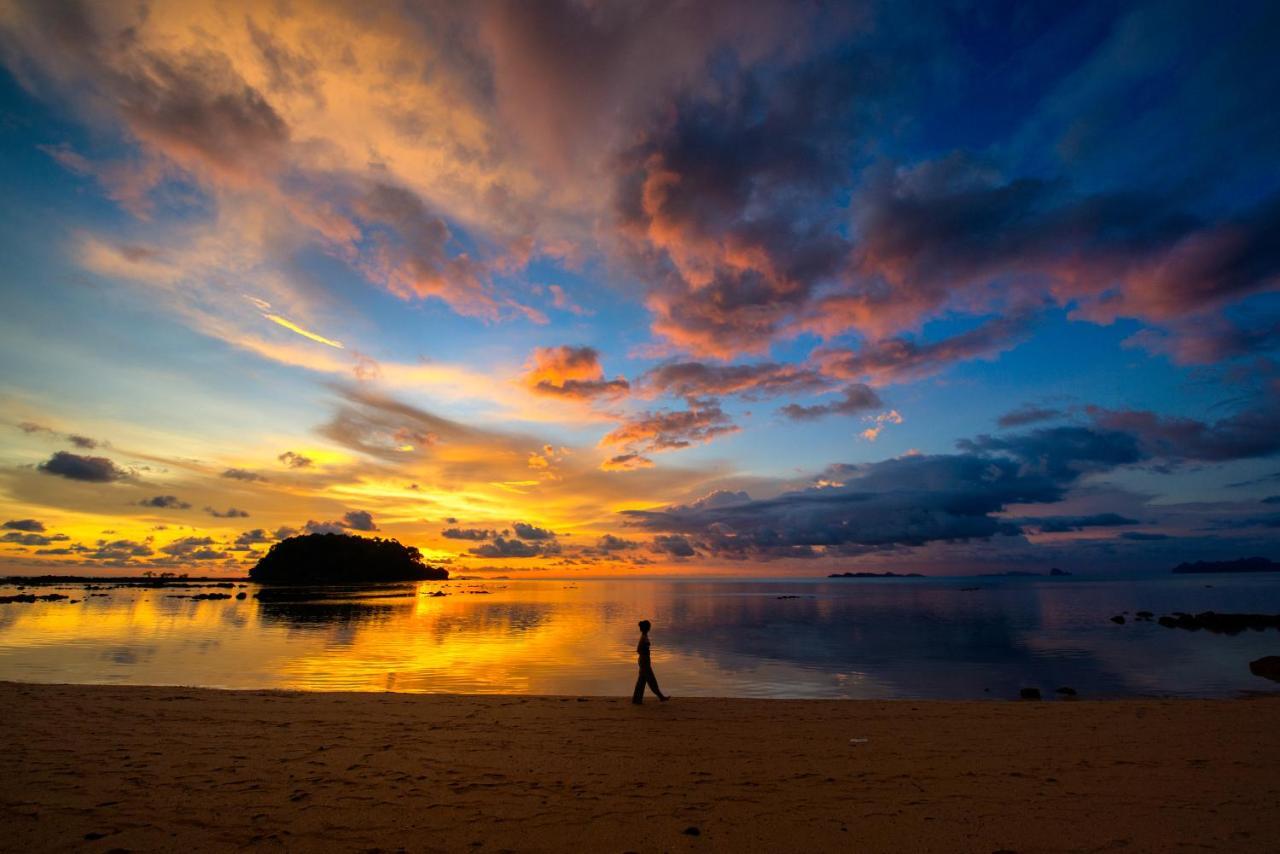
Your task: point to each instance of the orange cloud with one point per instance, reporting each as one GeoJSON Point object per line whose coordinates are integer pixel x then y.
{"type": "Point", "coordinates": [570, 372]}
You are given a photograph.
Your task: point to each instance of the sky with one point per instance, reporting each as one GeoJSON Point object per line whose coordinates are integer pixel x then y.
{"type": "Point", "coordinates": [610, 288]}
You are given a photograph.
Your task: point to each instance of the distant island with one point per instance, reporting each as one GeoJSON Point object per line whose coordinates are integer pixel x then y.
{"type": "Point", "coordinates": [342, 559]}
{"type": "Point", "coordinates": [875, 575]}
{"type": "Point", "coordinates": [1244, 564]}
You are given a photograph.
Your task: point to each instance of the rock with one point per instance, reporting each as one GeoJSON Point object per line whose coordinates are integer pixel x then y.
{"type": "Point", "coordinates": [1065, 691]}
{"type": "Point", "coordinates": [691, 831]}
{"type": "Point", "coordinates": [241, 595]}
{"type": "Point", "coordinates": [1058, 572]}
{"type": "Point", "coordinates": [437, 594]}
{"type": "Point", "coordinates": [28, 598]}
{"type": "Point", "coordinates": [1029, 693]}
{"type": "Point", "coordinates": [1268, 667]}
{"type": "Point", "coordinates": [1144, 615]}
{"type": "Point", "coordinates": [1118, 620]}
{"type": "Point", "coordinates": [201, 596]}
{"type": "Point", "coordinates": [787, 597]}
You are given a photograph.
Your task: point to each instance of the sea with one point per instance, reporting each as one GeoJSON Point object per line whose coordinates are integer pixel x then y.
{"type": "Point", "coordinates": [953, 638]}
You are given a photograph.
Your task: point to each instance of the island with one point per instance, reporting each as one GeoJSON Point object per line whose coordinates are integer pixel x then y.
{"type": "Point", "coordinates": [1244, 564]}
{"type": "Point", "coordinates": [875, 575]}
{"type": "Point", "coordinates": [342, 559]}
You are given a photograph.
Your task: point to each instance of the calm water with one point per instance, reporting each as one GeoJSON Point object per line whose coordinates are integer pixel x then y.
{"type": "Point", "coordinates": [856, 638]}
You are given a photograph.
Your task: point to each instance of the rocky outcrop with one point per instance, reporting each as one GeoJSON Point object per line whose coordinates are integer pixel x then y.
{"type": "Point", "coordinates": [1268, 667]}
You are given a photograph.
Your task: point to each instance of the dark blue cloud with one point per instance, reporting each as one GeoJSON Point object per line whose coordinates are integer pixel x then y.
{"type": "Point", "coordinates": [75, 467]}
{"type": "Point", "coordinates": [526, 531]}
{"type": "Point", "coordinates": [164, 502]}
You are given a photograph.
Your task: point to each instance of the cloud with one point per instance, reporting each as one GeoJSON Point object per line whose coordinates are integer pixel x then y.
{"type": "Point", "coordinates": [359, 520]}
{"type": "Point", "coordinates": [503, 547]}
{"type": "Point", "coordinates": [611, 543]}
{"type": "Point", "coordinates": [249, 538]}
{"type": "Point", "coordinates": [674, 545]}
{"type": "Point", "coordinates": [25, 539]}
{"type": "Point", "coordinates": [1028, 415]}
{"type": "Point", "coordinates": [763, 379]}
{"type": "Point", "coordinates": [1252, 432]}
{"type": "Point", "coordinates": [561, 300]}
{"type": "Point", "coordinates": [468, 533]}
{"type": "Point", "coordinates": [412, 258]}
{"type": "Point", "coordinates": [626, 462]}
{"type": "Point", "coordinates": [906, 501]}
{"type": "Point", "coordinates": [243, 474]}
{"type": "Point", "coordinates": [229, 513]}
{"type": "Point", "coordinates": [1208, 340]}
{"type": "Point", "coordinates": [878, 423]}
{"type": "Point", "coordinates": [725, 143]}
{"type": "Point", "coordinates": [857, 398]}
{"type": "Point", "coordinates": [1062, 453]}
{"type": "Point", "coordinates": [1063, 524]}
{"type": "Point", "coordinates": [895, 360]}
{"type": "Point", "coordinates": [940, 232]}
{"type": "Point", "coordinates": [120, 551]}
{"type": "Point", "coordinates": [32, 525]}
{"type": "Point", "coordinates": [667, 430]}
{"type": "Point", "coordinates": [193, 548]}
{"type": "Point", "coordinates": [353, 520]}
{"type": "Point", "coordinates": [295, 461]}
{"type": "Point", "coordinates": [164, 502]}
{"type": "Point", "coordinates": [127, 182]}
{"type": "Point", "coordinates": [75, 467]}
{"type": "Point", "coordinates": [529, 532]}
{"type": "Point", "coordinates": [82, 442]}
{"type": "Point", "coordinates": [570, 372]}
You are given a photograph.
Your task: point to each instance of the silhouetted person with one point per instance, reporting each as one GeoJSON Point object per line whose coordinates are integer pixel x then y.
{"type": "Point", "coordinates": [646, 676]}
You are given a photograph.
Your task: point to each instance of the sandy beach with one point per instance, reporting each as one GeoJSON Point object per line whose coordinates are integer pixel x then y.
{"type": "Point", "coordinates": [130, 768]}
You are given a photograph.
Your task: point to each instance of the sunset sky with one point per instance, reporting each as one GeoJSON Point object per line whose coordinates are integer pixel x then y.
{"type": "Point", "coordinates": [598, 288]}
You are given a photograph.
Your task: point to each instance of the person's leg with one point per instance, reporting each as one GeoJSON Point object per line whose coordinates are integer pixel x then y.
{"type": "Point", "coordinates": [638, 695]}
{"type": "Point", "coordinates": [652, 681]}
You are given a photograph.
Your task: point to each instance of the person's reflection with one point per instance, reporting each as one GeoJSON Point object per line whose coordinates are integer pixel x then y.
{"type": "Point", "coordinates": [646, 676]}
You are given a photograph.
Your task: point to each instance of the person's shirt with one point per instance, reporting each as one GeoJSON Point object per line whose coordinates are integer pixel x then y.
{"type": "Point", "coordinates": [642, 650]}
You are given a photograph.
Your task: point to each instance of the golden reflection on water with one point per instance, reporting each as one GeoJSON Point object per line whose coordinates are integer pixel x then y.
{"type": "Point", "coordinates": [710, 638]}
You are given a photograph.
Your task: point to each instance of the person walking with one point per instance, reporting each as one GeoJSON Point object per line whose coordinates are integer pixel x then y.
{"type": "Point", "coordinates": [646, 676]}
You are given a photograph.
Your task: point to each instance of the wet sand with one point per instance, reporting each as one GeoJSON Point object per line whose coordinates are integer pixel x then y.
{"type": "Point", "coordinates": [104, 768]}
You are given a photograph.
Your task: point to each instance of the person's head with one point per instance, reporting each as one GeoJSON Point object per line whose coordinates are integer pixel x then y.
{"type": "Point", "coordinates": [644, 626]}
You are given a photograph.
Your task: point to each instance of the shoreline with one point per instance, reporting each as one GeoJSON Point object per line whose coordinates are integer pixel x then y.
{"type": "Point", "coordinates": [167, 768]}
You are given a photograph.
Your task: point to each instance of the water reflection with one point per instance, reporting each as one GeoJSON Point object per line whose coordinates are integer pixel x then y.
{"type": "Point", "coordinates": [919, 638]}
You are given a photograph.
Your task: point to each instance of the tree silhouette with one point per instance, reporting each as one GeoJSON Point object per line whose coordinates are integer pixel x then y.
{"type": "Point", "coordinates": [341, 559]}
